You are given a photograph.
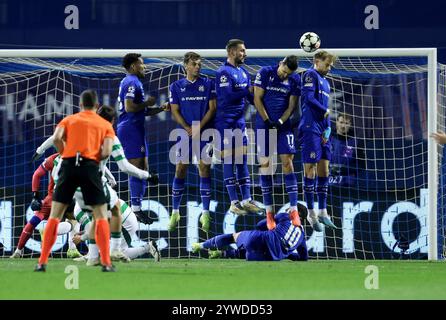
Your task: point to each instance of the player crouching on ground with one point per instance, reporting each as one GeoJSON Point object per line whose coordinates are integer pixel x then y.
{"type": "Point", "coordinates": [286, 241]}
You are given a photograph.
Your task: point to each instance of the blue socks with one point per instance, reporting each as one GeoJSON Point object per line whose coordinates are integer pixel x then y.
{"type": "Point", "coordinates": [322, 190]}
{"type": "Point", "coordinates": [291, 188]}
{"type": "Point", "coordinates": [309, 192]}
{"type": "Point", "coordinates": [177, 192]}
{"type": "Point", "coordinates": [266, 183]}
{"type": "Point", "coordinates": [218, 242]}
{"type": "Point", "coordinates": [228, 174]}
{"type": "Point", "coordinates": [205, 191]}
{"type": "Point", "coordinates": [243, 178]}
{"type": "Point", "coordinates": [137, 191]}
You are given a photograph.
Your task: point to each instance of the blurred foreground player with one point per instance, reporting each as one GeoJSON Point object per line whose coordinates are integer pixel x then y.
{"type": "Point", "coordinates": [42, 210]}
{"type": "Point", "coordinates": [83, 140]}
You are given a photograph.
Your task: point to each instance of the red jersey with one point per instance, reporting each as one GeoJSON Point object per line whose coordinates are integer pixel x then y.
{"type": "Point", "coordinates": [46, 167]}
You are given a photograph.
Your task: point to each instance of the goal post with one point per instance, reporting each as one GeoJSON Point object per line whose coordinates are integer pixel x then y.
{"type": "Point", "coordinates": [354, 62]}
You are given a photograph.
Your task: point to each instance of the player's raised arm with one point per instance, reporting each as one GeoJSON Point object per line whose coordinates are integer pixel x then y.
{"type": "Point", "coordinates": [439, 137]}
{"type": "Point", "coordinates": [58, 137]}
{"type": "Point", "coordinates": [106, 148]}
{"type": "Point", "coordinates": [48, 143]}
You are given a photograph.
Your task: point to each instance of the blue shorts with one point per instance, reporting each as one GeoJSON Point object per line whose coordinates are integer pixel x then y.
{"type": "Point", "coordinates": [255, 244]}
{"type": "Point", "coordinates": [313, 149]}
{"type": "Point", "coordinates": [133, 142]}
{"type": "Point", "coordinates": [284, 144]}
{"type": "Point", "coordinates": [229, 141]}
{"type": "Point", "coordinates": [192, 154]}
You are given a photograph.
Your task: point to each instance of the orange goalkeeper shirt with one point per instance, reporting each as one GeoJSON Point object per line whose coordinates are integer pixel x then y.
{"type": "Point", "coordinates": [85, 132]}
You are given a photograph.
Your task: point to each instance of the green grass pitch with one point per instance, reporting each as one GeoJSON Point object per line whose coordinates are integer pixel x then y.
{"type": "Point", "coordinates": [225, 279]}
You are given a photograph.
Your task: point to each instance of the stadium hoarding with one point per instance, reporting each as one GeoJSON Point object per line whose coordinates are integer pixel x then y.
{"type": "Point", "coordinates": [370, 226]}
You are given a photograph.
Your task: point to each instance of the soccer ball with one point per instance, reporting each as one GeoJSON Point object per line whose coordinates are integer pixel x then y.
{"type": "Point", "coordinates": [310, 42]}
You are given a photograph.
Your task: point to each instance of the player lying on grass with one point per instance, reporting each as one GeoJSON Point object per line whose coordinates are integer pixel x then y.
{"type": "Point", "coordinates": [129, 228]}
{"type": "Point", "coordinates": [42, 210]}
{"type": "Point", "coordinates": [286, 241]}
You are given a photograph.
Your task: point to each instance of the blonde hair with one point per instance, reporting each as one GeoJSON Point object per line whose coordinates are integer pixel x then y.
{"type": "Point", "coordinates": [324, 55]}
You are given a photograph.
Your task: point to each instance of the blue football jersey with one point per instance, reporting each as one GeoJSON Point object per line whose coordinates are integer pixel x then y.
{"type": "Point", "coordinates": [314, 102]}
{"type": "Point", "coordinates": [193, 98]}
{"type": "Point", "coordinates": [131, 88]}
{"type": "Point", "coordinates": [277, 91]}
{"type": "Point", "coordinates": [232, 87]}
{"type": "Point", "coordinates": [285, 238]}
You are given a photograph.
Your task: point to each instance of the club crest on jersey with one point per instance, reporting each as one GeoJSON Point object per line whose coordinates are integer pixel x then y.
{"type": "Point", "coordinates": [223, 79]}
{"type": "Point", "coordinates": [313, 155]}
{"type": "Point", "coordinates": [131, 89]}
{"type": "Point", "coordinates": [308, 79]}
{"type": "Point", "coordinates": [258, 79]}
{"type": "Point", "coordinates": [201, 88]}
{"type": "Point", "coordinates": [182, 89]}
{"type": "Point", "coordinates": [271, 79]}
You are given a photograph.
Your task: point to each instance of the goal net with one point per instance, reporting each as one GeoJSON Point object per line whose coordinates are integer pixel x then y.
{"type": "Point", "coordinates": [378, 195]}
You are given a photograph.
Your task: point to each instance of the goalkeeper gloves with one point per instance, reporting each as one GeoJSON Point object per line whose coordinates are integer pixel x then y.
{"type": "Point", "coordinates": [326, 135]}
{"type": "Point", "coordinates": [153, 178]}
{"type": "Point", "coordinates": [36, 203]}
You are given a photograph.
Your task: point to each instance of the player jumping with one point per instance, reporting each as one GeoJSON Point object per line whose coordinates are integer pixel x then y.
{"type": "Point", "coordinates": [276, 93]}
{"type": "Point", "coordinates": [314, 135]}
{"type": "Point", "coordinates": [192, 99]}
{"type": "Point", "coordinates": [232, 87]}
